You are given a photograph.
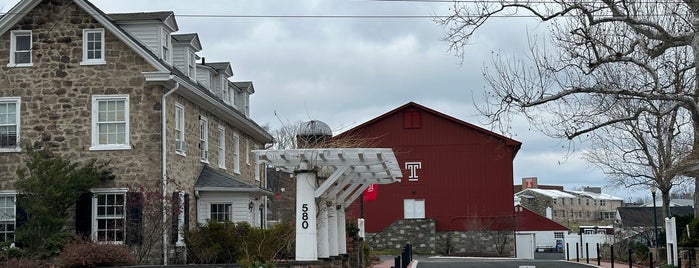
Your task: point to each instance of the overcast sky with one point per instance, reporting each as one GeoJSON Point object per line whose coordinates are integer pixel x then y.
{"type": "Point", "coordinates": [345, 71]}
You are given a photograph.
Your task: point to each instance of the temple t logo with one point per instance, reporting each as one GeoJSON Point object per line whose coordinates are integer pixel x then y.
{"type": "Point", "coordinates": [413, 167]}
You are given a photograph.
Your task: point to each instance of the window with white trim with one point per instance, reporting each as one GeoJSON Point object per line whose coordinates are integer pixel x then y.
{"type": "Point", "coordinates": [221, 212]}
{"type": "Point", "coordinates": [8, 217]}
{"type": "Point", "coordinates": [236, 153]}
{"type": "Point", "coordinates": [558, 235]}
{"type": "Point", "coordinates": [247, 152]}
{"type": "Point", "coordinates": [179, 129]}
{"type": "Point", "coordinates": [109, 217]}
{"type": "Point", "coordinates": [221, 146]}
{"type": "Point", "coordinates": [204, 139]}
{"type": "Point", "coordinates": [110, 122]}
{"type": "Point", "coordinates": [165, 42]}
{"type": "Point", "coordinates": [246, 99]}
{"type": "Point", "coordinates": [93, 46]}
{"type": "Point", "coordinates": [414, 208]}
{"type": "Point", "coordinates": [192, 64]}
{"type": "Point", "coordinates": [20, 49]}
{"type": "Point", "coordinates": [9, 124]}
{"type": "Point", "coordinates": [225, 91]}
{"type": "Point", "coordinates": [602, 202]}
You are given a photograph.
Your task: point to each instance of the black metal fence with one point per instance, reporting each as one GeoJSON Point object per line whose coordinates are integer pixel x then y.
{"type": "Point", "coordinates": [405, 257]}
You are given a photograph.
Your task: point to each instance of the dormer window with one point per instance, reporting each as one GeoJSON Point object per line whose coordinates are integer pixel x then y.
{"type": "Point", "coordinates": [192, 64]}
{"type": "Point", "coordinates": [165, 42]}
{"type": "Point", "coordinates": [20, 49]}
{"type": "Point", "coordinates": [225, 91]}
{"type": "Point", "coordinates": [93, 47]}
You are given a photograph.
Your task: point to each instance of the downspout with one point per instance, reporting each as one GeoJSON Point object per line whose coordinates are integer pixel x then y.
{"type": "Point", "coordinates": [164, 168]}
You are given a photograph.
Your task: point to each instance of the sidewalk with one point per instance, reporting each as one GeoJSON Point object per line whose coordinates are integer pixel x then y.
{"type": "Point", "coordinates": [389, 264]}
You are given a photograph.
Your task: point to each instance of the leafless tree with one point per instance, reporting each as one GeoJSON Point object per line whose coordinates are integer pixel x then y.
{"type": "Point", "coordinates": [644, 152]}
{"type": "Point", "coordinates": [605, 54]}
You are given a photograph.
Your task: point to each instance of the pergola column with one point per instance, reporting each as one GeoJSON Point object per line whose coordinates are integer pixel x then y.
{"type": "Point", "coordinates": [306, 243]}
{"type": "Point", "coordinates": [332, 230]}
{"type": "Point", "coordinates": [323, 243]}
{"type": "Point", "coordinates": [341, 231]}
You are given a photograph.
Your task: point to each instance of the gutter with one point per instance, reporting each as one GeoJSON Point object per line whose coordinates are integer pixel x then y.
{"type": "Point", "coordinates": [164, 167]}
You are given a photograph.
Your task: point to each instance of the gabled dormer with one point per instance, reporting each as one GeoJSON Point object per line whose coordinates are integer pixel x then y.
{"type": "Point", "coordinates": [214, 77]}
{"type": "Point", "coordinates": [242, 92]}
{"type": "Point", "coordinates": [184, 57]}
{"type": "Point", "coordinates": [152, 29]}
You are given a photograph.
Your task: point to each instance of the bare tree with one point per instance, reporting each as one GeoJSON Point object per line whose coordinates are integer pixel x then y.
{"type": "Point", "coordinates": [644, 152]}
{"type": "Point", "coordinates": [606, 54]}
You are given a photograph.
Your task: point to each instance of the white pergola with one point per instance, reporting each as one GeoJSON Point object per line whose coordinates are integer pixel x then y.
{"type": "Point", "coordinates": [329, 179]}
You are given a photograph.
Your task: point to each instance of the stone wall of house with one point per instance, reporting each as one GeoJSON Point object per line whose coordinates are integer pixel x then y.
{"type": "Point", "coordinates": [56, 108]}
{"type": "Point", "coordinates": [56, 95]}
{"type": "Point", "coordinates": [418, 232]}
{"type": "Point", "coordinates": [538, 203]}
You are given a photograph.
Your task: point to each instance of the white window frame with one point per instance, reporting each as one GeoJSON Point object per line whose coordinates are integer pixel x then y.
{"type": "Point", "coordinates": [18, 108]}
{"type": "Point", "coordinates": [225, 91]}
{"type": "Point", "coordinates": [126, 145]}
{"type": "Point", "coordinates": [222, 146]}
{"type": "Point", "coordinates": [8, 220]}
{"type": "Point", "coordinates": [247, 152]}
{"type": "Point", "coordinates": [165, 46]}
{"type": "Point", "coordinates": [225, 204]}
{"type": "Point", "coordinates": [204, 139]}
{"type": "Point", "coordinates": [236, 153]}
{"type": "Point", "coordinates": [410, 210]}
{"type": "Point", "coordinates": [180, 145]}
{"type": "Point", "coordinates": [86, 41]}
{"type": "Point", "coordinates": [13, 48]}
{"type": "Point", "coordinates": [96, 193]}
{"type": "Point", "coordinates": [192, 65]}
{"type": "Point", "coordinates": [246, 99]}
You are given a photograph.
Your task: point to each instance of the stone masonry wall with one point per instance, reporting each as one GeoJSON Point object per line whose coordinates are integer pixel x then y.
{"type": "Point", "coordinates": [418, 232]}
{"type": "Point", "coordinates": [476, 243]}
{"type": "Point", "coordinates": [56, 99]}
{"type": "Point", "coordinates": [56, 95]}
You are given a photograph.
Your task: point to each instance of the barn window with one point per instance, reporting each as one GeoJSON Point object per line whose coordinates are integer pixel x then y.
{"type": "Point", "coordinates": [414, 208]}
{"type": "Point", "coordinates": [412, 120]}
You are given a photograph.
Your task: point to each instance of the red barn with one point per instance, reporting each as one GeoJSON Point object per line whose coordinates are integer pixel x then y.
{"type": "Point", "coordinates": [454, 172]}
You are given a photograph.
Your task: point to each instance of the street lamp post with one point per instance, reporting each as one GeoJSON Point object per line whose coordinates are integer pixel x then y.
{"type": "Point", "coordinates": [655, 217]}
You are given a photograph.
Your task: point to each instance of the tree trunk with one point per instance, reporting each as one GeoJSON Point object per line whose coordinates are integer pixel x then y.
{"type": "Point", "coordinates": [695, 116]}
{"type": "Point", "coordinates": [666, 203]}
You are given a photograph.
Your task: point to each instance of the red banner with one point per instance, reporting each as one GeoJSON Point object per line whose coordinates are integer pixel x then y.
{"type": "Point", "coordinates": [370, 193]}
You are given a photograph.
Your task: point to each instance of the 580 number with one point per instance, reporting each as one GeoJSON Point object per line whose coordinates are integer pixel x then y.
{"type": "Point", "coordinates": [304, 216]}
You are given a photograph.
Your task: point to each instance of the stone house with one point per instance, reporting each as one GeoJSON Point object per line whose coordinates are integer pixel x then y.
{"type": "Point", "coordinates": [129, 89]}
{"type": "Point", "coordinates": [570, 208]}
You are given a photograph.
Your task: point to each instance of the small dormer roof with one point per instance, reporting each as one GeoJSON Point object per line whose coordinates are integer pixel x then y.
{"type": "Point", "coordinates": [192, 39]}
{"type": "Point", "coordinates": [165, 17]}
{"type": "Point", "coordinates": [245, 86]}
{"type": "Point", "coordinates": [221, 67]}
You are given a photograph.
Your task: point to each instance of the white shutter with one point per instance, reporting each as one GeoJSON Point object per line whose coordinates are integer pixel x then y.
{"type": "Point", "coordinates": [420, 209]}
{"type": "Point", "coordinates": [409, 208]}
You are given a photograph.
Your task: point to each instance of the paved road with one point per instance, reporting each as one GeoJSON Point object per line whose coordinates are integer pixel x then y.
{"type": "Point", "coordinates": [493, 263]}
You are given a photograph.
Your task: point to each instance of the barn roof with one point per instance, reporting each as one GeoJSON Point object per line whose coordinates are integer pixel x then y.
{"type": "Point", "coordinates": [526, 220]}
{"type": "Point", "coordinates": [510, 142]}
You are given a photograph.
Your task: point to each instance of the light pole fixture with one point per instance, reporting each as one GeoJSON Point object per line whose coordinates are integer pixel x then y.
{"type": "Point", "coordinates": [653, 189]}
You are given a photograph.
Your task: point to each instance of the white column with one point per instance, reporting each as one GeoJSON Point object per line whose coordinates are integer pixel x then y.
{"type": "Point", "coordinates": [332, 230]}
{"type": "Point", "coordinates": [341, 231]}
{"type": "Point", "coordinates": [323, 244]}
{"type": "Point", "coordinates": [306, 243]}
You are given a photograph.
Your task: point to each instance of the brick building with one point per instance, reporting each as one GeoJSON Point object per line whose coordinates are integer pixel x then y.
{"type": "Point", "coordinates": [127, 88]}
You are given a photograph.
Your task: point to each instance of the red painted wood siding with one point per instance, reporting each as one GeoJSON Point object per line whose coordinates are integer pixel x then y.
{"type": "Point", "coordinates": [466, 175]}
